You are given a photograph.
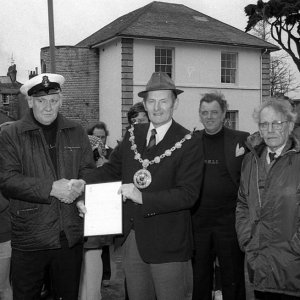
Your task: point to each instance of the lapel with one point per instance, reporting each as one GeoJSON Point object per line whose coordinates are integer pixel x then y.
{"type": "Point", "coordinates": [140, 133]}
{"type": "Point", "coordinates": [230, 143]}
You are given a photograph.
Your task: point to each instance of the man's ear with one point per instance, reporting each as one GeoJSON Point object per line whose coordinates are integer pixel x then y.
{"type": "Point", "coordinates": [60, 100]}
{"type": "Point", "coordinates": [175, 104]}
{"type": "Point", "coordinates": [224, 114]}
{"type": "Point", "coordinates": [291, 127]}
{"type": "Point", "coordinates": [30, 101]}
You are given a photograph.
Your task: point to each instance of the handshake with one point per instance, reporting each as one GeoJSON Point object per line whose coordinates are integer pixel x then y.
{"type": "Point", "coordinates": [67, 190]}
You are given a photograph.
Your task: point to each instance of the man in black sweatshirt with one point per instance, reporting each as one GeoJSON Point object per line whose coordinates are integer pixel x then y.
{"type": "Point", "coordinates": [214, 214]}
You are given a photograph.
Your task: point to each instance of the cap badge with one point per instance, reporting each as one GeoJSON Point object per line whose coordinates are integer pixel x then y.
{"type": "Point", "coordinates": [45, 81]}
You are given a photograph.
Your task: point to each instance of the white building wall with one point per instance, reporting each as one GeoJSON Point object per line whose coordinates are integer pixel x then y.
{"type": "Point", "coordinates": [110, 90]}
{"type": "Point", "coordinates": [197, 70]}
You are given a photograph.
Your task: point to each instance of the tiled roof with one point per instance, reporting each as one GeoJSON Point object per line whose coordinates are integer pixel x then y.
{"type": "Point", "coordinates": [168, 21]}
{"type": "Point", "coordinates": [5, 79]}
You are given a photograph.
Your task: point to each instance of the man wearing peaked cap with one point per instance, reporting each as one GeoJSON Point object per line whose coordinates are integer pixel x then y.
{"type": "Point", "coordinates": [160, 164]}
{"type": "Point", "coordinates": [43, 156]}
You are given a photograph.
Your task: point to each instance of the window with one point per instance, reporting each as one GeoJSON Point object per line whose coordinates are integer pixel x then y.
{"type": "Point", "coordinates": [5, 99]}
{"type": "Point", "coordinates": [164, 60]}
{"type": "Point", "coordinates": [228, 67]}
{"type": "Point", "coordinates": [231, 119]}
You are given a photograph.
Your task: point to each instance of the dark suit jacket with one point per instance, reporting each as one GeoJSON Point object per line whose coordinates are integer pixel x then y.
{"type": "Point", "coordinates": [162, 223]}
{"type": "Point", "coordinates": [233, 140]}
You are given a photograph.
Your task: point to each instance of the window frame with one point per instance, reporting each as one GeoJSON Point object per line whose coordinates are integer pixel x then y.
{"type": "Point", "coordinates": [6, 99]}
{"type": "Point", "coordinates": [162, 66]}
{"type": "Point", "coordinates": [230, 68]}
{"type": "Point", "coordinates": [228, 120]}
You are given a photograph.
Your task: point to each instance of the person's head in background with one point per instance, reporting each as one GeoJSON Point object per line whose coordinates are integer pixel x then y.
{"type": "Point", "coordinates": [137, 114]}
{"type": "Point", "coordinates": [99, 130]}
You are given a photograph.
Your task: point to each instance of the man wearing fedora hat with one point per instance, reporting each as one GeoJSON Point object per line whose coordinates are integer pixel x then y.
{"type": "Point", "coordinates": [42, 158]}
{"type": "Point", "coordinates": [160, 164]}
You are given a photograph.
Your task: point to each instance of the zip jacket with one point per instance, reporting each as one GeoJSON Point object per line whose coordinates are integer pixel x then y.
{"type": "Point", "coordinates": [268, 217]}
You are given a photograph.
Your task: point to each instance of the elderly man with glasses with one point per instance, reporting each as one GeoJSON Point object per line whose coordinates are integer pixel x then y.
{"type": "Point", "coordinates": [268, 211]}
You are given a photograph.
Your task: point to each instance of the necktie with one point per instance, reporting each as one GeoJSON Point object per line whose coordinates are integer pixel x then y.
{"type": "Point", "coordinates": [152, 140]}
{"type": "Point", "coordinates": [272, 156]}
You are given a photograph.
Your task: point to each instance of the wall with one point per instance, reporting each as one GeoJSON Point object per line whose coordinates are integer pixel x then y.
{"type": "Point", "coordinates": [110, 90]}
{"type": "Point", "coordinates": [197, 71]}
{"type": "Point", "coordinates": [80, 67]}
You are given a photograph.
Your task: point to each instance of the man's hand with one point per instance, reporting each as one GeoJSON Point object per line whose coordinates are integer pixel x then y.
{"type": "Point", "coordinates": [129, 191]}
{"type": "Point", "coordinates": [67, 190]}
{"type": "Point", "coordinates": [101, 161]}
{"type": "Point", "coordinates": [81, 208]}
{"type": "Point", "coordinates": [77, 185]}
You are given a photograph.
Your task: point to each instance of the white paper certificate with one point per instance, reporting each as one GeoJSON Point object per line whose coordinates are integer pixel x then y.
{"type": "Point", "coordinates": [104, 209]}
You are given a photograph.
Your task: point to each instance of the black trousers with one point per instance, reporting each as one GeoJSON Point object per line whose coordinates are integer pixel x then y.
{"type": "Point", "coordinates": [221, 242]}
{"type": "Point", "coordinates": [29, 267]}
{"type": "Point", "coordinates": [273, 296]}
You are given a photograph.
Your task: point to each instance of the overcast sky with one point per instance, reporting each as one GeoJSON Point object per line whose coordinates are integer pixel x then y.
{"type": "Point", "coordinates": [24, 24]}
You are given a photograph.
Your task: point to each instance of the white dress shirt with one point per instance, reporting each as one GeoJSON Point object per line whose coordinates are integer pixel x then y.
{"type": "Point", "coordinates": [160, 132]}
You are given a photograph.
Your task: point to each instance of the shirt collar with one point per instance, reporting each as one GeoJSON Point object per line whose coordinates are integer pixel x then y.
{"type": "Point", "coordinates": [160, 131]}
{"type": "Point", "coordinates": [278, 152]}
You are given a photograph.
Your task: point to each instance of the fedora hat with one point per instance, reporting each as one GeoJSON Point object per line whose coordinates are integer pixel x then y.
{"type": "Point", "coordinates": [160, 81]}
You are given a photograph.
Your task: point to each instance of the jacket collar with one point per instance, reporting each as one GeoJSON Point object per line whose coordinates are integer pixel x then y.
{"type": "Point", "coordinates": [29, 124]}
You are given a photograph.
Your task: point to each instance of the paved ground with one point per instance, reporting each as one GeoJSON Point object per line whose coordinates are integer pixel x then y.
{"type": "Point", "coordinates": [116, 289]}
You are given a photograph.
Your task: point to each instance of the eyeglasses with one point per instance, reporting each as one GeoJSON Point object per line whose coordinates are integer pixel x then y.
{"type": "Point", "coordinates": [276, 125]}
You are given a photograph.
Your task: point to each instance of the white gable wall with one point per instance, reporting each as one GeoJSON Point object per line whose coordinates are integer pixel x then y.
{"type": "Point", "coordinates": [197, 70]}
{"type": "Point", "coordinates": [110, 90]}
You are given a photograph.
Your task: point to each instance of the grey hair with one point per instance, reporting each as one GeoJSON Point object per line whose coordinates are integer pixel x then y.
{"type": "Point", "coordinates": [280, 106]}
